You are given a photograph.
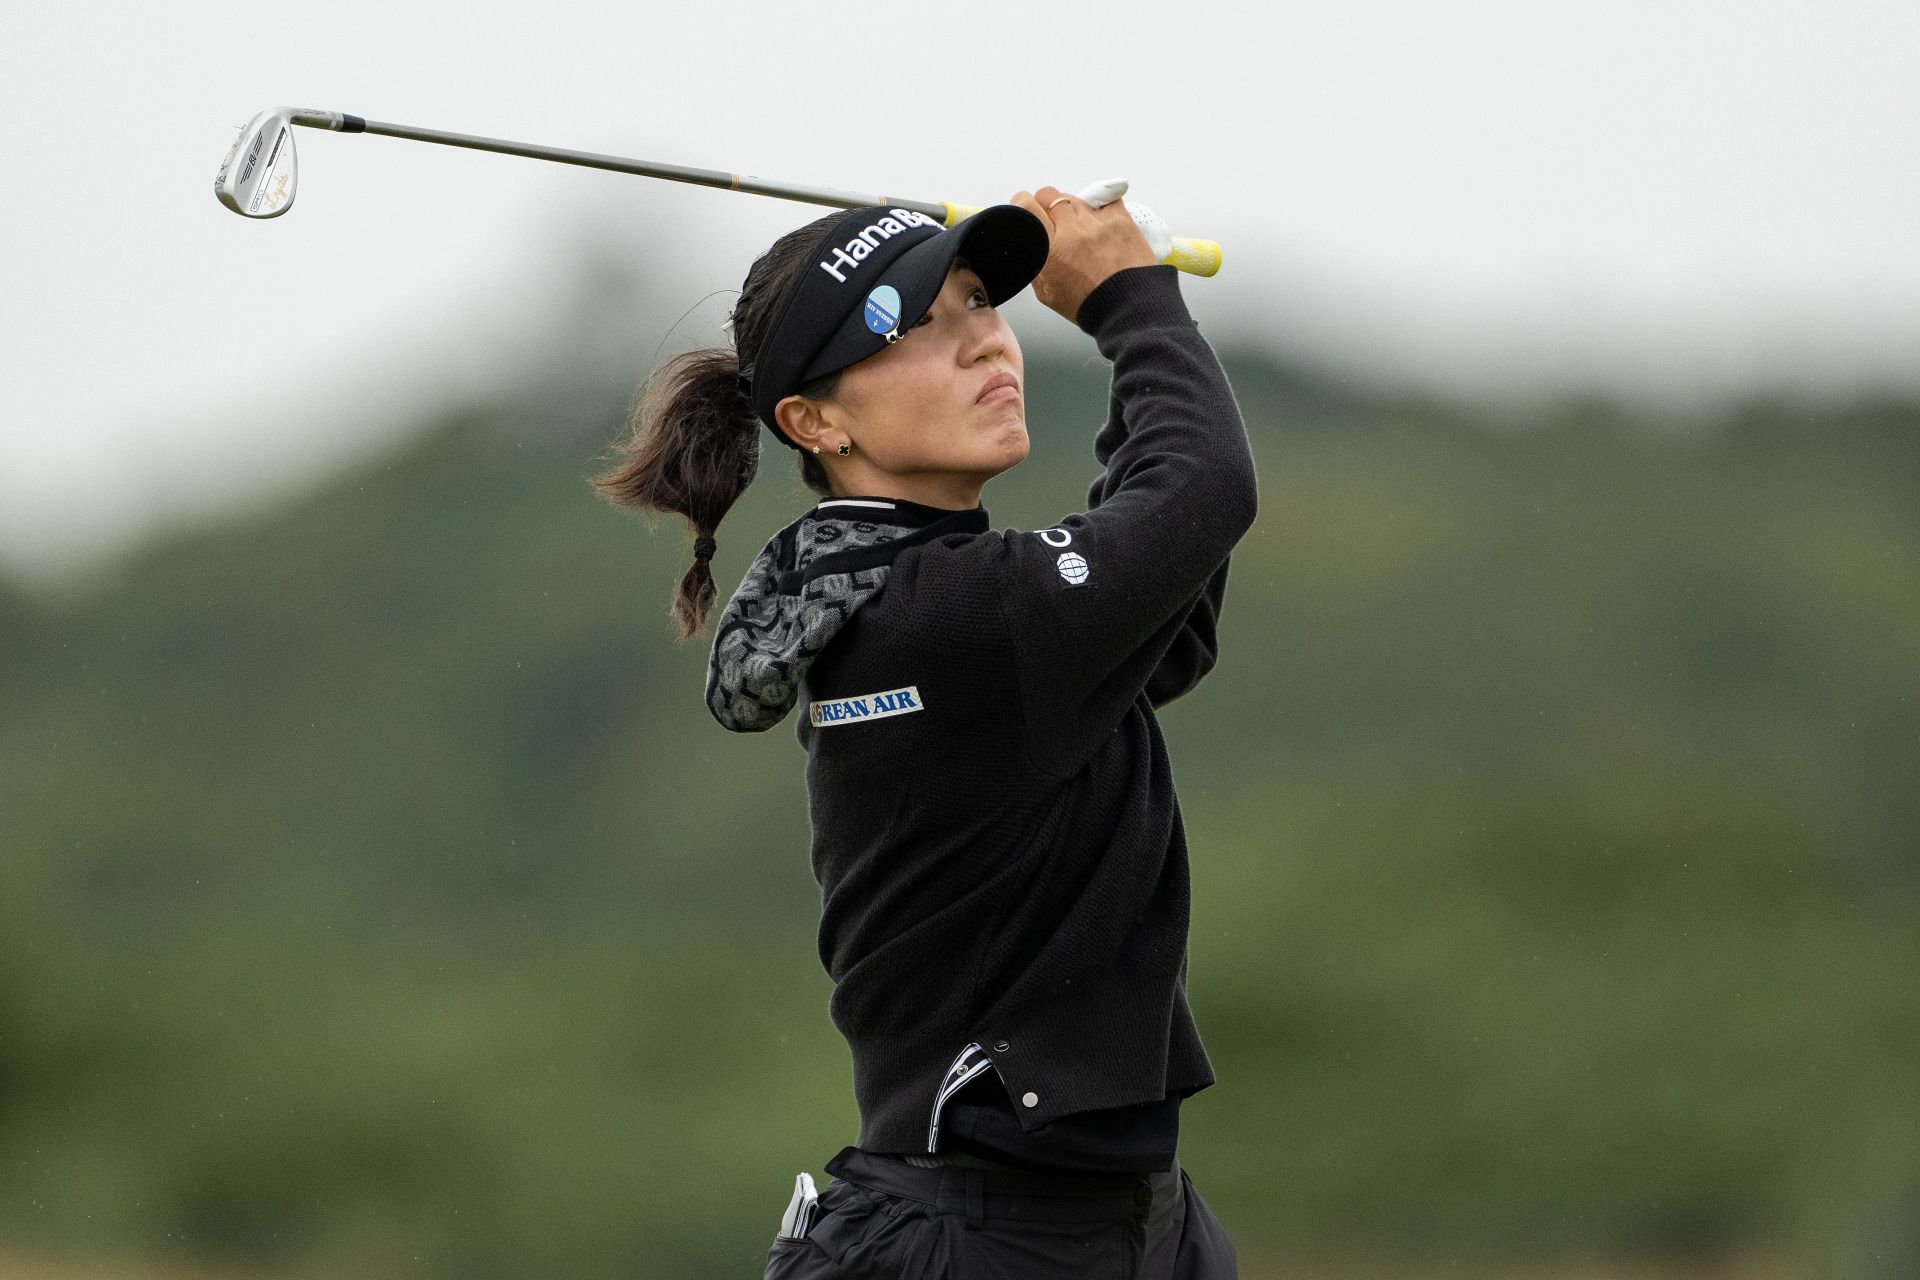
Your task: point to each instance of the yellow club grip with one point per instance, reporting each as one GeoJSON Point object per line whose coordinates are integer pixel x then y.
{"type": "Point", "coordinates": [1195, 257]}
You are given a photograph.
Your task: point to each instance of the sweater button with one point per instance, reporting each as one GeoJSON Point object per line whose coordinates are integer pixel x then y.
{"type": "Point", "coordinates": [1030, 1099]}
{"type": "Point", "coordinates": [1001, 1046]}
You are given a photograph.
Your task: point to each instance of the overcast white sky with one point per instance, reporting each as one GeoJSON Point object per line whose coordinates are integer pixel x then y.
{"type": "Point", "coordinates": [1670, 198]}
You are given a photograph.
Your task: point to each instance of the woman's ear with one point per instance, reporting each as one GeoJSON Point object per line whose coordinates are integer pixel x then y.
{"type": "Point", "coordinates": [801, 420]}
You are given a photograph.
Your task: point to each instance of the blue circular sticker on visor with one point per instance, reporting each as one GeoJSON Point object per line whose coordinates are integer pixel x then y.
{"type": "Point", "coordinates": [883, 308]}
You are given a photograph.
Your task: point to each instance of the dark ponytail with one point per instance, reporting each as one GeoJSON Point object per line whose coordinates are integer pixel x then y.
{"type": "Point", "coordinates": [695, 442]}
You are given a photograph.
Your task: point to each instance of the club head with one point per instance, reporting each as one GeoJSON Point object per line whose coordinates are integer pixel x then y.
{"type": "Point", "coordinates": [257, 178]}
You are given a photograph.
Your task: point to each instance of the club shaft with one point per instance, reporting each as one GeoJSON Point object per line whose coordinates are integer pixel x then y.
{"type": "Point", "coordinates": [828, 196]}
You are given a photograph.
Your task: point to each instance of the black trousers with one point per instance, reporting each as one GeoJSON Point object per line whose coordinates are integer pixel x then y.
{"type": "Point", "coordinates": [884, 1219]}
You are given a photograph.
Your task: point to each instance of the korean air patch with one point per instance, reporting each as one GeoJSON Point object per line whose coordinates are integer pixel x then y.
{"type": "Point", "coordinates": [867, 706]}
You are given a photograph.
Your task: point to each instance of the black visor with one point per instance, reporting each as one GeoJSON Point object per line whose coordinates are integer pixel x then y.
{"type": "Point", "coordinates": [876, 273]}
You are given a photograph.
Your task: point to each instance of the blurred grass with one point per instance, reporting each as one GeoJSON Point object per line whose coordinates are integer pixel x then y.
{"type": "Point", "coordinates": [17, 1266]}
{"type": "Point", "coordinates": [377, 896]}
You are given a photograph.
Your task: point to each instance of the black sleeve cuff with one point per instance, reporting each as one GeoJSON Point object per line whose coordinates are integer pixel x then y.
{"type": "Point", "coordinates": [1135, 298]}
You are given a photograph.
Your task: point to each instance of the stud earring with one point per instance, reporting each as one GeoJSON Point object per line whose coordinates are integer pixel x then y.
{"type": "Point", "coordinates": [816, 448]}
{"type": "Point", "coordinates": [845, 449]}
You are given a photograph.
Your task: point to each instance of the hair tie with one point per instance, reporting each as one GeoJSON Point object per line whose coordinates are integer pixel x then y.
{"type": "Point", "coordinates": [703, 547]}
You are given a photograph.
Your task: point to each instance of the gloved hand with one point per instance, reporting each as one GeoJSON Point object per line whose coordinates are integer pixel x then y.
{"type": "Point", "coordinates": [1152, 226]}
{"type": "Point", "coordinates": [1086, 243]}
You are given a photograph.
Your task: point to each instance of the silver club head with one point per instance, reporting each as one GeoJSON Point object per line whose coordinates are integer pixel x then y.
{"type": "Point", "coordinates": [257, 177]}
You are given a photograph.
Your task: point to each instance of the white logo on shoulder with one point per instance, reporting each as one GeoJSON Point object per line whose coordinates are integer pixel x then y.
{"type": "Point", "coordinates": [1073, 568]}
{"type": "Point", "coordinates": [868, 706]}
{"type": "Point", "coordinates": [1055, 537]}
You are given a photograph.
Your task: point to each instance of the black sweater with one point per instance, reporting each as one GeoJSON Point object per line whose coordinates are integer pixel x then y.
{"type": "Point", "coordinates": [995, 829]}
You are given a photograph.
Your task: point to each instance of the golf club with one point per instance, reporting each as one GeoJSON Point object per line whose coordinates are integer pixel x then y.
{"type": "Point", "coordinates": [259, 178]}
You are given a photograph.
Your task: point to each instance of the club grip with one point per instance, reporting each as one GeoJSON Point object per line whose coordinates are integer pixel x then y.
{"type": "Point", "coordinates": [1195, 257]}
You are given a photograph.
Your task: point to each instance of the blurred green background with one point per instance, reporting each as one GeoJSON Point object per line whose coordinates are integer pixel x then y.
{"type": "Point", "coordinates": [378, 898]}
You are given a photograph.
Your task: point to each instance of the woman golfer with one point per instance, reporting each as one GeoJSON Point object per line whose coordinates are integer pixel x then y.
{"type": "Point", "coordinates": [994, 827]}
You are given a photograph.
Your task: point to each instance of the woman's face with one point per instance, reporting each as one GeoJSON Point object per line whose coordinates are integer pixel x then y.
{"type": "Point", "coordinates": [919, 415]}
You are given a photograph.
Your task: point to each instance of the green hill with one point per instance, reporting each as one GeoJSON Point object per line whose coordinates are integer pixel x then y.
{"type": "Point", "coordinates": [378, 893]}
